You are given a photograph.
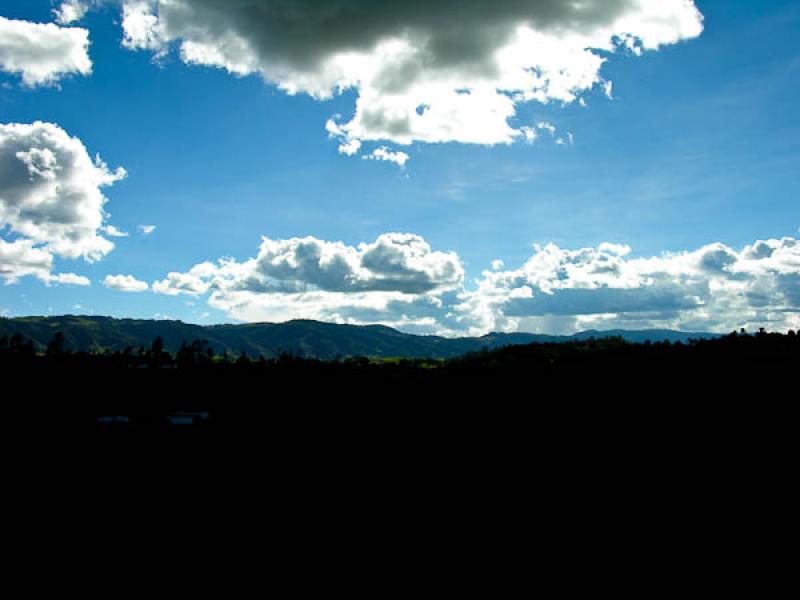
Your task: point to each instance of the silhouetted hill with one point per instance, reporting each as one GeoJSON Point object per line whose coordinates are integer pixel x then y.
{"type": "Point", "coordinates": [639, 337]}
{"type": "Point", "coordinates": [311, 339]}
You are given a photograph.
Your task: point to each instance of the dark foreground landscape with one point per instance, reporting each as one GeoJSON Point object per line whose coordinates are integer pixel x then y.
{"type": "Point", "coordinates": [302, 338]}
{"type": "Point", "coordinates": [198, 389]}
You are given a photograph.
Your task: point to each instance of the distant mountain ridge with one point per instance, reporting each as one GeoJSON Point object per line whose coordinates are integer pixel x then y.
{"type": "Point", "coordinates": [311, 339]}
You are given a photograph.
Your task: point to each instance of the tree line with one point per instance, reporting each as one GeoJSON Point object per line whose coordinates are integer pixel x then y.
{"type": "Point", "coordinates": [592, 381]}
{"type": "Point", "coordinates": [760, 346]}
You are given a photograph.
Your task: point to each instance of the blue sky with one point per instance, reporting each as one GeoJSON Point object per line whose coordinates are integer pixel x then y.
{"type": "Point", "coordinates": [697, 147]}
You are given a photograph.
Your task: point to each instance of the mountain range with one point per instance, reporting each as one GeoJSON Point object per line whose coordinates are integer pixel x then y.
{"type": "Point", "coordinates": [311, 339]}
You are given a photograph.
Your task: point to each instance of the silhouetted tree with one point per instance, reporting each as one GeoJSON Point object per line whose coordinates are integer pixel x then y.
{"type": "Point", "coordinates": [158, 357]}
{"type": "Point", "coordinates": [185, 356]}
{"type": "Point", "coordinates": [55, 349]}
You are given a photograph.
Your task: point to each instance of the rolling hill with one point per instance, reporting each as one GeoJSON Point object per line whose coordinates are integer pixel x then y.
{"type": "Point", "coordinates": [311, 339]}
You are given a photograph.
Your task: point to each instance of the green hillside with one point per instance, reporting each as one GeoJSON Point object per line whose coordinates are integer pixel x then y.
{"type": "Point", "coordinates": [311, 339]}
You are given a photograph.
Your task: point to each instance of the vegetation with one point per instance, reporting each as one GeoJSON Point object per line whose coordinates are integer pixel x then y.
{"type": "Point", "coordinates": [146, 383]}
{"type": "Point", "coordinates": [311, 339]}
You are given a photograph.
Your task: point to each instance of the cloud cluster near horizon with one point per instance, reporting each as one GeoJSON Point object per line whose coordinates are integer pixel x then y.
{"type": "Point", "coordinates": [713, 288]}
{"type": "Point", "coordinates": [447, 71]}
{"type": "Point", "coordinates": [312, 277]}
{"type": "Point", "coordinates": [421, 72]}
{"type": "Point", "coordinates": [399, 280]}
{"type": "Point", "coordinates": [51, 202]}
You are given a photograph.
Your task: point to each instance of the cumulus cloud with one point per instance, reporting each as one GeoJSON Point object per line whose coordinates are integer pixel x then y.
{"type": "Point", "coordinates": [447, 71]}
{"type": "Point", "coordinates": [713, 288]}
{"type": "Point", "coordinates": [395, 262]}
{"type": "Point", "coordinates": [399, 280]}
{"type": "Point", "coordinates": [383, 153]}
{"type": "Point", "coordinates": [20, 258]}
{"type": "Point", "coordinates": [193, 283]}
{"type": "Point", "coordinates": [43, 53]}
{"type": "Point", "coordinates": [70, 11]}
{"type": "Point", "coordinates": [50, 199]}
{"type": "Point", "coordinates": [112, 231]}
{"type": "Point", "coordinates": [350, 147]}
{"type": "Point", "coordinates": [125, 283]}
{"type": "Point", "coordinates": [68, 279]}
{"type": "Point", "coordinates": [389, 280]}
{"type": "Point", "coordinates": [141, 27]}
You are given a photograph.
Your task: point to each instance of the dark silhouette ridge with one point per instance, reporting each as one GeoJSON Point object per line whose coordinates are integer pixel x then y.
{"type": "Point", "coordinates": [197, 386]}
{"type": "Point", "coordinates": [311, 339]}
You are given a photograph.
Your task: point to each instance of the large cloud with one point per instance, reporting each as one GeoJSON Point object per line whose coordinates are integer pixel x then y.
{"type": "Point", "coordinates": [714, 288]}
{"type": "Point", "coordinates": [50, 199]}
{"type": "Point", "coordinates": [441, 71]}
{"type": "Point", "coordinates": [399, 280]}
{"type": "Point", "coordinates": [311, 278]}
{"type": "Point", "coordinates": [43, 53]}
{"type": "Point", "coordinates": [395, 262]}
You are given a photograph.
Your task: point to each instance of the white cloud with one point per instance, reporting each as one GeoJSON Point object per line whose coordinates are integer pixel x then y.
{"type": "Point", "coordinates": [192, 283]}
{"type": "Point", "coordinates": [545, 126]}
{"type": "Point", "coordinates": [529, 133]}
{"type": "Point", "coordinates": [350, 147]}
{"type": "Point", "coordinates": [565, 141]}
{"type": "Point", "coordinates": [713, 288]}
{"type": "Point", "coordinates": [50, 199]}
{"type": "Point", "coordinates": [146, 229]}
{"type": "Point", "coordinates": [396, 263]}
{"type": "Point", "coordinates": [70, 11]}
{"type": "Point", "coordinates": [383, 153]}
{"type": "Point", "coordinates": [125, 283]}
{"type": "Point", "coordinates": [447, 71]}
{"type": "Point", "coordinates": [21, 258]}
{"type": "Point", "coordinates": [69, 279]}
{"type": "Point", "coordinates": [112, 231]}
{"type": "Point", "coordinates": [141, 27]}
{"type": "Point", "coordinates": [43, 53]}
{"type": "Point", "coordinates": [398, 280]}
